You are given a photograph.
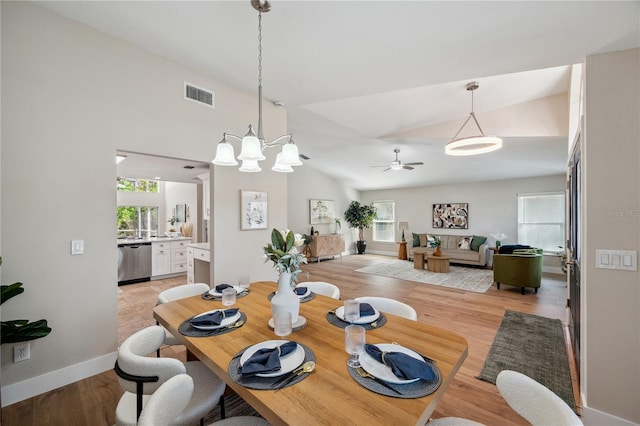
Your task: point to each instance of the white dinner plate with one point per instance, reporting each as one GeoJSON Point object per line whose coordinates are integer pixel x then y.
{"type": "Point", "coordinates": [363, 320]}
{"type": "Point", "coordinates": [380, 370]}
{"type": "Point", "coordinates": [288, 363]}
{"type": "Point", "coordinates": [213, 291]}
{"type": "Point", "coordinates": [225, 321]}
{"type": "Point", "coordinates": [302, 296]}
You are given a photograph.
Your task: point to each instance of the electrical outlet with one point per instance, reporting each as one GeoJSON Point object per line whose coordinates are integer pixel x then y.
{"type": "Point", "coordinates": [21, 352]}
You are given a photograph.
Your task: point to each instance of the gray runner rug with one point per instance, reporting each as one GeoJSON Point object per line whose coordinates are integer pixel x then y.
{"type": "Point", "coordinates": [534, 346]}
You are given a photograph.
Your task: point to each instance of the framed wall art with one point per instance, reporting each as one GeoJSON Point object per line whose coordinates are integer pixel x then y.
{"type": "Point", "coordinates": [253, 210]}
{"type": "Point", "coordinates": [321, 211]}
{"type": "Point", "coordinates": [452, 216]}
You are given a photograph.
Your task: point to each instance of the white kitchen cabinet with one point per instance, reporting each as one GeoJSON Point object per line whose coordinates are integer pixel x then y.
{"type": "Point", "coordinates": [160, 258]}
{"type": "Point", "coordinates": [190, 271]}
{"type": "Point", "coordinates": [179, 256]}
{"type": "Point", "coordinates": [198, 260]}
{"type": "Point", "coordinates": [169, 257]}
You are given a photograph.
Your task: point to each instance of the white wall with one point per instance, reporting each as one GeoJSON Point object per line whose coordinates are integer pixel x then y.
{"type": "Point", "coordinates": [493, 207]}
{"type": "Point", "coordinates": [71, 96]}
{"type": "Point", "coordinates": [611, 299]}
{"type": "Point", "coordinates": [306, 184]}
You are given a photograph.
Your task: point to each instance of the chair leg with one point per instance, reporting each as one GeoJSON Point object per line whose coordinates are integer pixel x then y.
{"type": "Point", "coordinates": [498, 285]}
{"type": "Point", "coordinates": [536, 289]}
{"type": "Point", "coordinates": [222, 412]}
{"type": "Point", "coordinates": [522, 290]}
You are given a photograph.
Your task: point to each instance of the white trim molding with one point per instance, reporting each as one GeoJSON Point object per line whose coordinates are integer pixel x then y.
{"type": "Point", "coordinates": [34, 386]}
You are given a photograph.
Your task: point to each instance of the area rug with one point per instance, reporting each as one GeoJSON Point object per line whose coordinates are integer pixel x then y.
{"type": "Point", "coordinates": [534, 346]}
{"type": "Point", "coordinates": [469, 279]}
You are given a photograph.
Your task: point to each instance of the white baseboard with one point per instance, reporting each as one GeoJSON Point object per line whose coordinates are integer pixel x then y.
{"type": "Point", "coordinates": [29, 388]}
{"type": "Point", "coordinates": [382, 253]}
{"type": "Point", "coordinates": [593, 417]}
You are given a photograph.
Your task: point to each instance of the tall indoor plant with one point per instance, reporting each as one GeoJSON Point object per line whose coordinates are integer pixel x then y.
{"type": "Point", "coordinates": [360, 216]}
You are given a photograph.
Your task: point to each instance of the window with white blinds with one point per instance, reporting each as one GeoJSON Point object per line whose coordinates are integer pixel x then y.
{"type": "Point", "coordinates": [383, 225]}
{"type": "Point", "coordinates": [541, 220]}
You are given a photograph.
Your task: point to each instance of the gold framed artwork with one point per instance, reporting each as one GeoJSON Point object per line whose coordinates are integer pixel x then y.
{"type": "Point", "coordinates": [321, 211]}
{"type": "Point", "coordinates": [253, 210]}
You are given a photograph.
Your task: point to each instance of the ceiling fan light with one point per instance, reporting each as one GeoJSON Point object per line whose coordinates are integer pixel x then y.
{"type": "Point", "coordinates": [279, 167]}
{"type": "Point", "coordinates": [250, 166]}
{"type": "Point", "coordinates": [473, 145]}
{"type": "Point", "coordinates": [225, 155]}
{"type": "Point", "coordinates": [396, 166]}
{"type": "Point", "coordinates": [290, 155]}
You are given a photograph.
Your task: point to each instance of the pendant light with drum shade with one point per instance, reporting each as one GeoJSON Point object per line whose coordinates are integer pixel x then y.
{"type": "Point", "coordinates": [254, 144]}
{"type": "Point", "coordinates": [472, 145]}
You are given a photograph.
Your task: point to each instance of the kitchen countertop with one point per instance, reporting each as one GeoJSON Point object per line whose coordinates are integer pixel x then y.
{"type": "Point", "coordinates": [151, 240]}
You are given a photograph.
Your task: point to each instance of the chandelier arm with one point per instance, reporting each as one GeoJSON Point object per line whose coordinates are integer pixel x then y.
{"type": "Point", "coordinates": [462, 127]}
{"type": "Point", "coordinates": [276, 141]}
{"type": "Point", "coordinates": [232, 136]}
{"type": "Point", "coordinates": [473, 114]}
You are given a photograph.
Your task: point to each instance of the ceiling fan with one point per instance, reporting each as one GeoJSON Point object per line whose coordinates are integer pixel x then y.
{"type": "Point", "coordinates": [399, 165]}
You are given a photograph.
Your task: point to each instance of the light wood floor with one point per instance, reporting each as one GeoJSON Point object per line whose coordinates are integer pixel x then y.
{"type": "Point", "coordinates": [472, 315]}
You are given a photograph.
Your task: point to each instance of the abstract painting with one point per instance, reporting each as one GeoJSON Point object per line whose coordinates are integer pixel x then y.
{"type": "Point", "coordinates": [452, 216]}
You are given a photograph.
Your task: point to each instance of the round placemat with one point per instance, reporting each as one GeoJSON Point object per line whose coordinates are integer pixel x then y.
{"type": "Point", "coordinates": [208, 296]}
{"type": "Point", "coordinates": [416, 389]}
{"type": "Point", "coordinates": [334, 320]}
{"type": "Point", "coordinates": [186, 329]}
{"type": "Point", "coordinates": [264, 383]}
{"type": "Point", "coordinates": [307, 298]}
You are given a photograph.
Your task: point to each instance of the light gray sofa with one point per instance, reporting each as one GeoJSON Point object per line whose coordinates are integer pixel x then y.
{"type": "Point", "coordinates": [449, 247]}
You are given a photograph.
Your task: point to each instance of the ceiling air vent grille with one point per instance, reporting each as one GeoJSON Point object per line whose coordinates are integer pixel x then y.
{"type": "Point", "coordinates": [198, 94]}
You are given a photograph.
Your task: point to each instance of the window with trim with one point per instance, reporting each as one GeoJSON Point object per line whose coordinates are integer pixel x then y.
{"type": "Point", "coordinates": [137, 185]}
{"type": "Point", "coordinates": [541, 220]}
{"type": "Point", "coordinates": [383, 225]}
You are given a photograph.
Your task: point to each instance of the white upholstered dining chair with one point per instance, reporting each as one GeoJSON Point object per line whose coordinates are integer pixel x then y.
{"type": "Point", "coordinates": [534, 401]}
{"type": "Point", "coordinates": [140, 376]}
{"type": "Point", "coordinates": [320, 287]}
{"type": "Point", "coordinates": [390, 306]}
{"type": "Point", "coordinates": [166, 403]}
{"type": "Point", "coordinates": [176, 293]}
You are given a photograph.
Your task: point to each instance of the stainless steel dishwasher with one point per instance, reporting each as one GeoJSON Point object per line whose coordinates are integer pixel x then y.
{"type": "Point", "coordinates": [134, 263]}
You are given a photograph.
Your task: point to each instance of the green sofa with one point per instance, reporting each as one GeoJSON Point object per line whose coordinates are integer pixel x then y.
{"type": "Point", "coordinates": [522, 268]}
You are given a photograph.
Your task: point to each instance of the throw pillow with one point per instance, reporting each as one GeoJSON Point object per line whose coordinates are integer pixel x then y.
{"type": "Point", "coordinates": [423, 240]}
{"type": "Point", "coordinates": [416, 239]}
{"type": "Point", "coordinates": [464, 243]}
{"type": "Point", "coordinates": [477, 241]}
{"type": "Point", "coordinates": [431, 240]}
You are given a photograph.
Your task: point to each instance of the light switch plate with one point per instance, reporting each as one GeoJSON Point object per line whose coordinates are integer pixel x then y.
{"type": "Point", "coordinates": [623, 260]}
{"type": "Point", "coordinates": [77, 247]}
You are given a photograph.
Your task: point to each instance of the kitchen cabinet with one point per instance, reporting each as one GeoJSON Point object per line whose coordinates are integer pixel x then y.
{"type": "Point", "coordinates": [198, 260]}
{"type": "Point", "coordinates": [160, 258]}
{"type": "Point", "coordinates": [169, 257]}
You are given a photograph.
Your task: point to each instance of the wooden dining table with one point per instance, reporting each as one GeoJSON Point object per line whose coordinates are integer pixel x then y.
{"type": "Point", "coordinates": [328, 395]}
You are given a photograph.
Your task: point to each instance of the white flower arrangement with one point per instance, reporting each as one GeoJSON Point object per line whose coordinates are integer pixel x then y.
{"type": "Point", "coordinates": [283, 252]}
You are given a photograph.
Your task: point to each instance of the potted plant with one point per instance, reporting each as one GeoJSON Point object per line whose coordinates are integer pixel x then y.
{"type": "Point", "coordinates": [20, 330]}
{"type": "Point", "coordinates": [360, 216]}
{"type": "Point", "coordinates": [338, 224]}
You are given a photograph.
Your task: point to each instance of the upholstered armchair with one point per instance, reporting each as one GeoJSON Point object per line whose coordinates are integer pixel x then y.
{"type": "Point", "coordinates": [522, 268]}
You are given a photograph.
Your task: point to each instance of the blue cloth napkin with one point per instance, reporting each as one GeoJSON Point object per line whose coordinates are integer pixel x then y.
{"type": "Point", "coordinates": [404, 367]}
{"type": "Point", "coordinates": [221, 287]}
{"type": "Point", "coordinates": [213, 318]}
{"type": "Point", "coordinates": [300, 290]}
{"type": "Point", "coordinates": [366, 310]}
{"type": "Point", "coordinates": [266, 360]}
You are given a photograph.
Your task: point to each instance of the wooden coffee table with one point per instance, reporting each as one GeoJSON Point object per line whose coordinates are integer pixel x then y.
{"type": "Point", "coordinates": [438, 263]}
{"type": "Point", "coordinates": [418, 258]}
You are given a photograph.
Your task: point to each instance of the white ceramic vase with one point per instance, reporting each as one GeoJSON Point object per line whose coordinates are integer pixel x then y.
{"type": "Point", "coordinates": [285, 298]}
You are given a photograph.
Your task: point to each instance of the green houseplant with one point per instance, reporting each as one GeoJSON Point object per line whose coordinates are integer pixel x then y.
{"type": "Point", "coordinates": [19, 330]}
{"type": "Point", "coordinates": [360, 216]}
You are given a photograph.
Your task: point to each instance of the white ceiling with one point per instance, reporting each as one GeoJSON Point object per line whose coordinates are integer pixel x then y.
{"type": "Point", "coordinates": [358, 76]}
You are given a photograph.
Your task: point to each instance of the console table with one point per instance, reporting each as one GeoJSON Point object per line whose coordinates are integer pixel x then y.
{"type": "Point", "coordinates": [326, 245]}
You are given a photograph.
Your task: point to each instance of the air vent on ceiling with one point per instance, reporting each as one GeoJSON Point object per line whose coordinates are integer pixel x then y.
{"type": "Point", "coordinates": [198, 94]}
{"type": "Point", "coordinates": [189, 167]}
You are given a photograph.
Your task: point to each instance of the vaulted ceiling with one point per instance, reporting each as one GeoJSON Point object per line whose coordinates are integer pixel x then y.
{"type": "Point", "coordinates": [360, 78]}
